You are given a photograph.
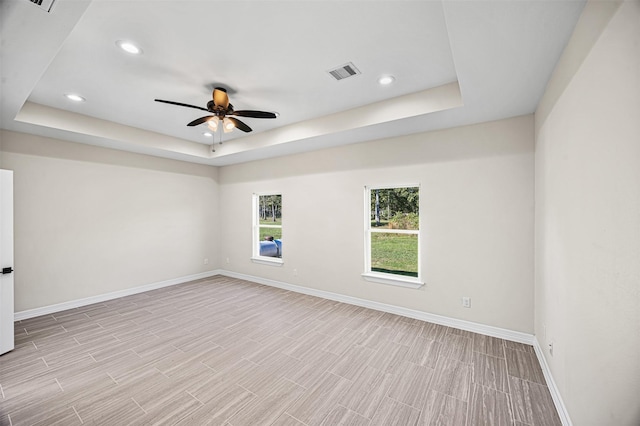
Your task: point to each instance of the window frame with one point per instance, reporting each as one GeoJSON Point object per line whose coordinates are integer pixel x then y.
{"type": "Point", "coordinates": [383, 277]}
{"type": "Point", "coordinates": [255, 230]}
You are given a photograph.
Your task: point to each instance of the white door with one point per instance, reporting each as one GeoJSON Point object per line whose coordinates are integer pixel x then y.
{"type": "Point", "coordinates": [6, 261]}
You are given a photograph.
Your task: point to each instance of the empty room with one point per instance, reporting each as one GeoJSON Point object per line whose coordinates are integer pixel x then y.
{"type": "Point", "coordinates": [311, 212]}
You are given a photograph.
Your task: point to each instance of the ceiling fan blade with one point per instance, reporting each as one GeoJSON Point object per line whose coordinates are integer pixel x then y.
{"type": "Point", "coordinates": [254, 114]}
{"type": "Point", "coordinates": [240, 125]}
{"type": "Point", "coordinates": [200, 120]}
{"type": "Point", "coordinates": [220, 97]}
{"type": "Point", "coordinates": [181, 104]}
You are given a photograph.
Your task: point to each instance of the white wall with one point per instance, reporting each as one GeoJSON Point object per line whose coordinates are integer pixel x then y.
{"type": "Point", "coordinates": [90, 221]}
{"type": "Point", "coordinates": [588, 218]}
{"type": "Point", "coordinates": [476, 214]}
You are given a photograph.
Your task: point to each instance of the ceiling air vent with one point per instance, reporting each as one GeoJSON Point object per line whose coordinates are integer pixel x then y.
{"type": "Point", "coordinates": [43, 4]}
{"type": "Point", "coordinates": [344, 71]}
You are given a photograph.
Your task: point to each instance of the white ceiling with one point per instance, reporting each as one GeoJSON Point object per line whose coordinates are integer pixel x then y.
{"type": "Point", "coordinates": [455, 63]}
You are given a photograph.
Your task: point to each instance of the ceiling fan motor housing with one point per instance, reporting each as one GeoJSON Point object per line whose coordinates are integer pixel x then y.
{"type": "Point", "coordinates": [219, 110]}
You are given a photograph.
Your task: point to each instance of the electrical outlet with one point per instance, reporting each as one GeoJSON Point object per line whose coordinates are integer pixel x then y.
{"type": "Point", "coordinates": [228, 261]}
{"type": "Point", "coordinates": [466, 302]}
{"type": "Point", "coordinates": [206, 261]}
{"type": "Point", "coordinates": [295, 272]}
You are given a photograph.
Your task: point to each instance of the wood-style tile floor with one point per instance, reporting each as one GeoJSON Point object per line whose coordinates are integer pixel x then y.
{"type": "Point", "coordinates": [223, 351]}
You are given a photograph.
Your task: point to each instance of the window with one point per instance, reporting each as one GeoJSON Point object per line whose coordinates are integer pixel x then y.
{"type": "Point", "coordinates": [267, 228]}
{"type": "Point", "coordinates": [392, 235]}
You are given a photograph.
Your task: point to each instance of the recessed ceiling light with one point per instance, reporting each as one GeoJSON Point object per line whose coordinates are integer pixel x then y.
{"type": "Point", "coordinates": [386, 80]}
{"type": "Point", "coordinates": [207, 134]}
{"type": "Point", "coordinates": [129, 47]}
{"type": "Point", "coordinates": [75, 98]}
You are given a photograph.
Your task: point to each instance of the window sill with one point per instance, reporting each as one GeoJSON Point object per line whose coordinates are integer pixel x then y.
{"type": "Point", "coordinates": [407, 282]}
{"type": "Point", "coordinates": [268, 261]}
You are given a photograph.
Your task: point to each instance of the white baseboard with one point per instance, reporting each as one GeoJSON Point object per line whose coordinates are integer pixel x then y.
{"type": "Point", "coordinates": [551, 384]}
{"type": "Point", "coordinates": [488, 330]}
{"type": "Point", "coordinates": [46, 310]}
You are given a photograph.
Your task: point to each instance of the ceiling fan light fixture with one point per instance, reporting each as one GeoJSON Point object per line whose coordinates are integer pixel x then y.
{"type": "Point", "coordinates": [227, 125]}
{"type": "Point", "coordinates": [129, 47]}
{"type": "Point", "coordinates": [385, 80]}
{"type": "Point", "coordinates": [213, 124]}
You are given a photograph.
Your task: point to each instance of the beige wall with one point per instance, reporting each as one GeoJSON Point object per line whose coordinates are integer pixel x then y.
{"type": "Point", "coordinates": [588, 218]}
{"type": "Point", "coordinates": [90, 221]}
{"type": "Point", "coordinates": [476, 213]}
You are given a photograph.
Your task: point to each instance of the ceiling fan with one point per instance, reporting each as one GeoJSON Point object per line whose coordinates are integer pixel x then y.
{"type": "Point", "coordinates": [221, 109]}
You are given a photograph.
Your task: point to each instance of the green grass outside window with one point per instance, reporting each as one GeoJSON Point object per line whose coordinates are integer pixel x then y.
{"type": "Point", "coordinates": [394, 253]}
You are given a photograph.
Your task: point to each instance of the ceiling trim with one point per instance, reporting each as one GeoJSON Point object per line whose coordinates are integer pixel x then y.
{"type": "Point", "coordinates": [417, 104]}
